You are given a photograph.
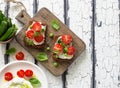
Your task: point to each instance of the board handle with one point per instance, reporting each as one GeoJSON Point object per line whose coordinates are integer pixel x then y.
{"type": "Point", "coordinates": [23, 17]}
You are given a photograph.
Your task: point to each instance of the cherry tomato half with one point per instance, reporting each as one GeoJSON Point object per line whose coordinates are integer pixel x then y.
{"type": "Point", "coordinates": [30, 34]}
{"type": "Point", "coordinates": [66, 39]}
{"type": "Point", "coordinates": [39, 38]}
{"type": "Point", "coordinates": [37, 27]}
{"type": "Point", "coordinates": [58, 48]}
{"type": "Point", "coordinates": [71, 50]}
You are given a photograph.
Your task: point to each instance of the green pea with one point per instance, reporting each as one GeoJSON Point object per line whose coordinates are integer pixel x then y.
{"type": "Point", "coordinates": [51, 35]}
{"type": "Point", "coordinates": [48, 48]}
{"type": "Point", "coordinates": [55, 64]}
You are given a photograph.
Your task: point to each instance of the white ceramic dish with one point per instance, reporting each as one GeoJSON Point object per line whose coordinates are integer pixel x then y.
{"type": "Point", "coordinates": [17, 65]}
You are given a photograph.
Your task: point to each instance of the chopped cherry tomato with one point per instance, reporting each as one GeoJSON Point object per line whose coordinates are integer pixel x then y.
{"type": "Point", "coordinates": [20, 73]}
{"type": "Point", "coordinates": [57, 48]}
{"type": "Point", "coordinates": [8, 76]}
{"type": "Point", "coordinates": [71, 50]}
{"type": "Point", "coordinates": [66, 39]}
{"type": "Point", "coordinates": [37, 27]}
{"type": "Point", "coordinates": [39, 38]}
{"type": "Point", "coordinates": [30, 34]}
{"type": "Point", "coordinates": [28, 73]}
{"type": "Point", "coordinates": [19, 56]}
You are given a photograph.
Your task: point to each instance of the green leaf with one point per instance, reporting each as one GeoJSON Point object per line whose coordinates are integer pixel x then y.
{"type": "Point", "coordinates": [55, 25]}
{"type": "Point", "coordinates": [43, 30]}
{"type": "Point", "coordinates": [42, 56]}
{"type": "Point", "coordinates": [36, 33]}
{"type": "Point", "coordinates": [59, 41]}
{"type": "Point", "coordinates": [28, 41]}
{"type": "Point", "coordinates": [35, 82]}
{"type": "Point", "coordinates": [10, 51]}
{"type": "Point", "coordinates": [65, 49]}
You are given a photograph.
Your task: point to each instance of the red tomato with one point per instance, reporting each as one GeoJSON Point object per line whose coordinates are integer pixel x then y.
{"type": "Point", "coordinates": [36, 27]}
{"type": "Point", "coordinates": [39, 38]}
{"type": "Point", "coordinates": [58, 48]}
{"type": "Point", "coordinates": [20, 73]}
{"type": "Point", "coordinates": [66, 39]}
{"type": "Point", "coordinates": [19, 56]}
{"type": "Point", "coordinates": [71, 50]}
{"type": "Point", "coordinates": [30, 34]}
{"type": "Point", "coordinates": [8, 76]}
{"type": "Point", "coordinates": [28, 73]}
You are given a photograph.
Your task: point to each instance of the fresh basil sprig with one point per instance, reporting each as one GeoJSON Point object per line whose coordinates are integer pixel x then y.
{"type": "Point", "coordinates": [42, 56]}
{"type": "Point", "coordinates": [35, 82]}
{"type": "Point", "coordinates": [10, 51]}
{"type": "Point", "coordinates": [55, 25]}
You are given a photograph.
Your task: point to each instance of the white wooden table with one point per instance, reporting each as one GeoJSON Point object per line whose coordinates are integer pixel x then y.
{"type": "Point", "coordinates": [97, 23]}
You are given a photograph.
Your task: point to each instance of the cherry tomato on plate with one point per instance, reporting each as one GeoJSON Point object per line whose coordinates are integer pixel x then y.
{"type": "Point", "coordinates": [21, 73]}
{"type": "Point", "coordinates": [66, 39]}
{"type": "Point", "coordinates": [19, 56]}
{"type": "Point", "coordinates": [8, 76]}
{"type": "Point", "coordinates": [28, 73]}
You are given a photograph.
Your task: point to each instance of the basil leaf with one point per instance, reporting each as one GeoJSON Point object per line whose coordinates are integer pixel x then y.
{"type": "Point", "coordinates": [28, 41]}
{"type": "Point", "coordinates": [42, 56]}
{"type": "Point", "coordinates": [55, 25]}
{"type": "Point", "coordinates": [35, 82]}
{"type": "Point", "coordinates": [10, 51]}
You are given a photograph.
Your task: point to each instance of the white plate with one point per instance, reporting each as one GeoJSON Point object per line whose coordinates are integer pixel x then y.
{"type": "Point", "coordinates": [17, 65]}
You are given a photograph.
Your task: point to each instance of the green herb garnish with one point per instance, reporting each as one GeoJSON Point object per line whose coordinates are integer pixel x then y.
{"type": "Point", "coordinates": [30, 26]}
{"type": "Point", "coordinates": [55, 64]}
{"type": "Point", "coordinates": [28, 41]}
{"type": "Point", "coordinates": [35, 82]}
{"type": "Point", "coordinates": [10, 51]}
{"type": "Point", "coordinates": [65, 50]}
{"type": "Point", "coordinates": [55, 51]}
{"type": "Point", "coordinates": [42, 56]}
{"type": "Point", "coordinates": [43, 30]}
{"type": "Point", "coordinates": [65, 54]}
{"type": "Point", "coordinates": [59, 41]}
{"type": "Point", "coordinates": [36, 33]}
{"type": "Point", "coordinates": [55, 25]}
{"type": "Point", "coordinates": [56, 56]}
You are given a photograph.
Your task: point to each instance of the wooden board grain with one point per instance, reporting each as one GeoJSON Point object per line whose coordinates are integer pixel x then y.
{"type": "Point", "coordinates": [45, 15]}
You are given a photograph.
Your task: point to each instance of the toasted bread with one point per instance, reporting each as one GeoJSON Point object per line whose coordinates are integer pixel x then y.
{"type": "Point", "coordinates": [58, 56]}
{"type": "Point", "coordinates": [40, 46]}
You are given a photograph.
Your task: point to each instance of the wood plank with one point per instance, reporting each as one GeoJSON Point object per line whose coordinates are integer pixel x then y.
{"type": "Point", "coordinates": [2, 46]}
{"type": "Point", "coordinates": [58, 11]}
{"type": "Point", "coordinates": [13, 11]}
{"type": "Point", "coordinates": [107, 44]}
{"type": "Point", "coordinates": [79, 74]}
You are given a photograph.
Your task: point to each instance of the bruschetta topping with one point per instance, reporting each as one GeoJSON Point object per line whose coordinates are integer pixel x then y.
{"type": "Point", "coordinates": [63, 47]}
{"type": "Point", "coordinates": [36, 33]}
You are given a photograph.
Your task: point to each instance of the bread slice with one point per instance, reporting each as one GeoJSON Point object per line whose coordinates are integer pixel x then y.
{"type": "Point", "coordinates": [59, 57]}
{"type": "Point", "coordinates": [29, 42]}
